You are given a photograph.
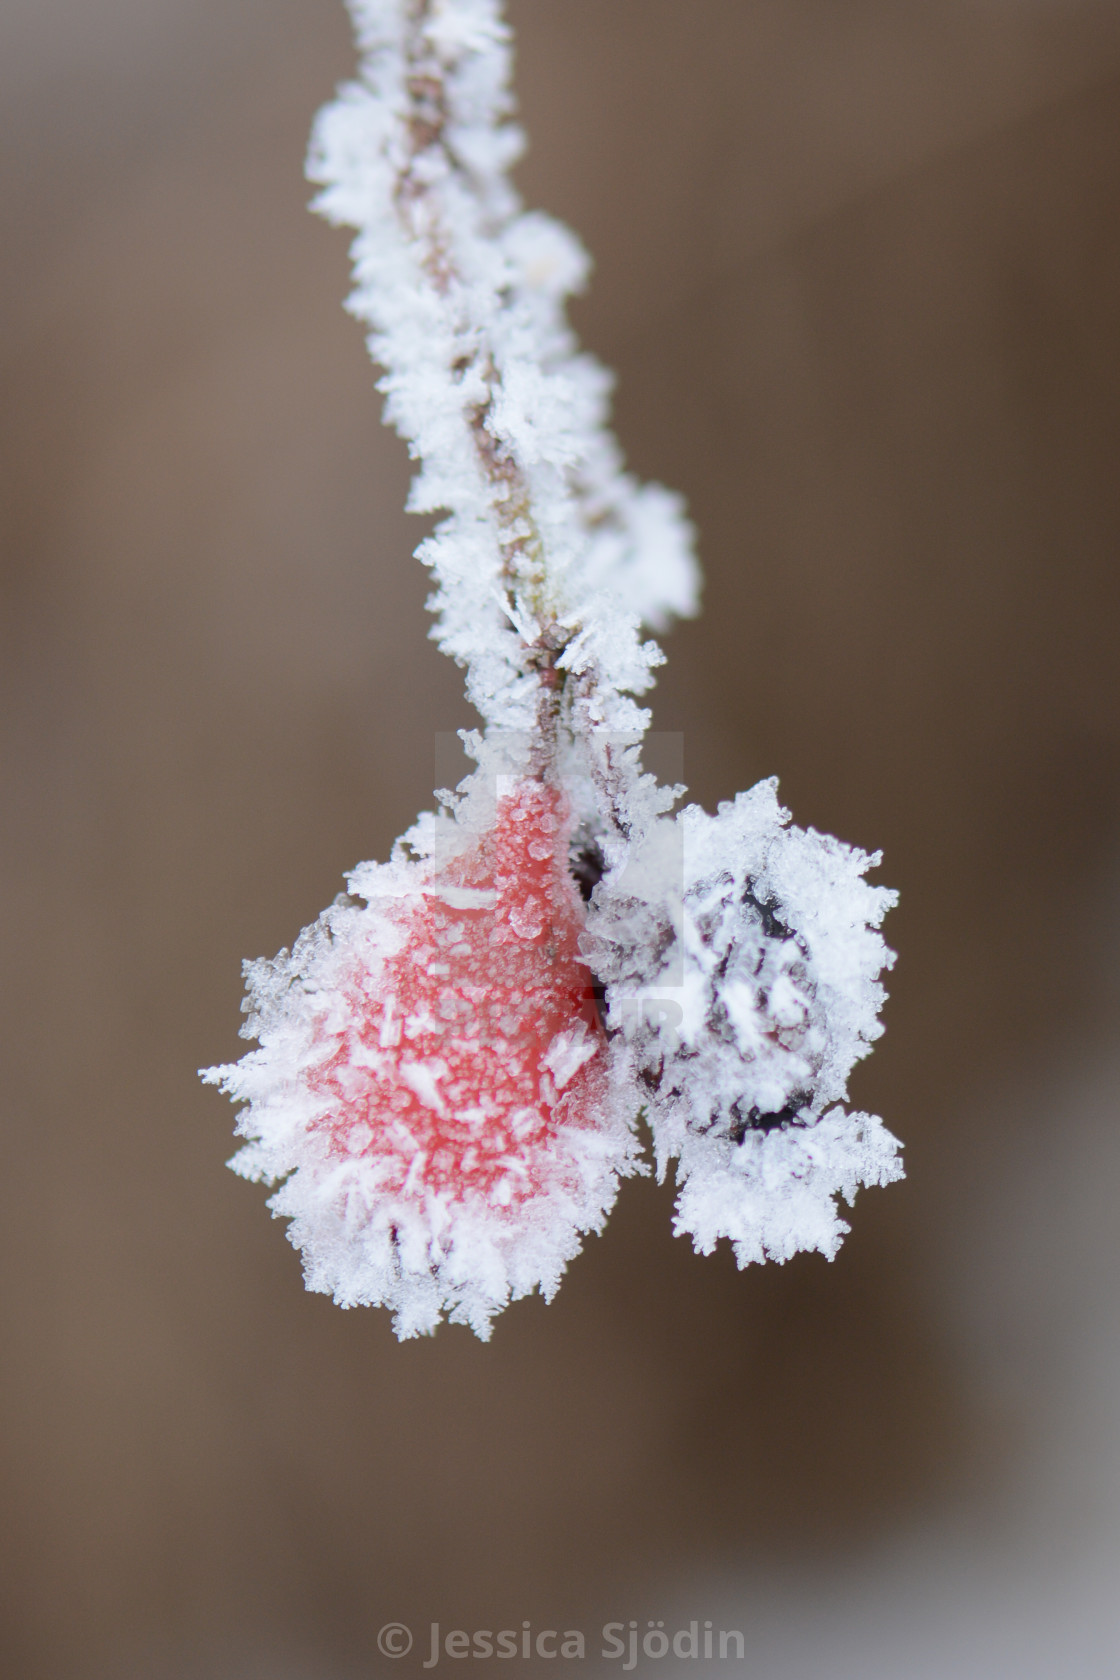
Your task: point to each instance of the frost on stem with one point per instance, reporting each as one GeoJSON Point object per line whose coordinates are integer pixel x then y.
{"type": "Point", "coordinates": [454, 1059]}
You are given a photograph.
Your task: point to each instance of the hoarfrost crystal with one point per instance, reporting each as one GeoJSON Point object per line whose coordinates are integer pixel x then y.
{"type": "Point", "coordinates": [764, 980]}
{"type": "Point", "coordinates": [455, 1059]}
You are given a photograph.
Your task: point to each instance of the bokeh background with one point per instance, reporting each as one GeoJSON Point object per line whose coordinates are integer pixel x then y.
{"type": "Point", "coordinates": [858, 268]}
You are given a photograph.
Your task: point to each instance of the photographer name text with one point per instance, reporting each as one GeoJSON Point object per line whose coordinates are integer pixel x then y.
{"type": "Point", "coordinates": [622, 1642]}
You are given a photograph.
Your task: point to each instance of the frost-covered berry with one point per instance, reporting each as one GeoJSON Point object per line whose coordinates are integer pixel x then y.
{"type": "Point", "coordinates": [742, 958]}
{"type": "Point", "coordinates": [431, 1080]}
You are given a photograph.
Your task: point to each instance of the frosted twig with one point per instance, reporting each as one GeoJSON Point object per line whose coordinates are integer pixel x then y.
{"type": "Point", "coordinates": [454, 1059]}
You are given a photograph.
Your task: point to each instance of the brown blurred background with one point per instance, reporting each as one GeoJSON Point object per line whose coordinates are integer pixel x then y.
{"type": "Point", "coordinates": [858, 268]}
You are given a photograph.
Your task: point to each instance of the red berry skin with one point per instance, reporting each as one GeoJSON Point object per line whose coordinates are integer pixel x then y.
{"type": "Point", "coordinates": [452, 1067]}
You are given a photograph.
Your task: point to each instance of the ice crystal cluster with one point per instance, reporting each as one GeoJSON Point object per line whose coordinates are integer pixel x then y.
{"type": "Point", "coordinates": [457, 1060]}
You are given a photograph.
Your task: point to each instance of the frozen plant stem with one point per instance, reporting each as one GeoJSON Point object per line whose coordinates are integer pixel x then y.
{"type": "Point", "coordinates": [455, 1059]}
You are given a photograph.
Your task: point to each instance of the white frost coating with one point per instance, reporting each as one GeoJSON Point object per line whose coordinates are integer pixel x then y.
{"type": "Point", "coordinates": [352, 1117]}
{"type": "Point", "coordinates": [744, 991]}
{"type": "Point", "coordinates": [435, 1090]}
{"type": "Point", "coordinates": [464, 294]}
